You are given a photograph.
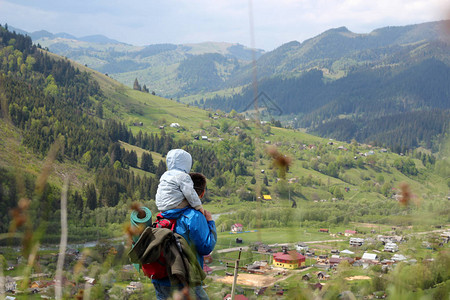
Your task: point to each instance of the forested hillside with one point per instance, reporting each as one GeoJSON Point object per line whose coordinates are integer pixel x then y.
{"type": "Point", "coordinates": [397, 107]}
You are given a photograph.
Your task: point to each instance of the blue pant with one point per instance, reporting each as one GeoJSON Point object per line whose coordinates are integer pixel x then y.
{"type": "Point", "coordinates": [164, 292]}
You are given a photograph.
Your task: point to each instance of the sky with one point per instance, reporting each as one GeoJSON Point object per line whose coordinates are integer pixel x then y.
{"type": "Point", "coordinates": [145, 22]}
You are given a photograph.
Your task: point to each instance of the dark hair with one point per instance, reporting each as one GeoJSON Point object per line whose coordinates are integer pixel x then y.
{"type": "Point", "coordinates": [199, 182]}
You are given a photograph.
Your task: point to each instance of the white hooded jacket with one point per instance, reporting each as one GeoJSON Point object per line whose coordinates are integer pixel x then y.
{"type": "Point", "coordinates": [175, 184]}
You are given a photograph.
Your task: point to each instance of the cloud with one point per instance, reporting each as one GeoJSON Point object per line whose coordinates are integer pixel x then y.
{"type": "Point", "coordinates": [142, 22]}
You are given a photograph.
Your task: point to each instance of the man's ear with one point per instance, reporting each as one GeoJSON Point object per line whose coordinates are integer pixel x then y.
{"type": "Point", "coordinates": [202, 194]}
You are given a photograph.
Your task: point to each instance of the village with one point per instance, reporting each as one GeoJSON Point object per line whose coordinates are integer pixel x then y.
{"type": "Point", "coordinates": [263, 269]}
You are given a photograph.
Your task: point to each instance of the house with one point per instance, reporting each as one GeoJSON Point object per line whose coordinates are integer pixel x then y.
{"type": "Point", "coordinates": [175, 125]}
{"type": "Point", "coordinates": [134, 286]}
{"type": "Point", "coordinates": [204, 137]}
{"type": "Point", "coordinates": [306, 277]}
{"type": "Point", "coordinates": [263, 248]}
{"type": "Point", "coordinates": [349, 232]}
{"type": "Point", "coordinates": [369, 258]}
{"type": "Point", "coordinates": [322, 259]}
{"type": "Point", "coordinates": [323, 276]}
{"type": "Point", "coordinates": [302, 247]}
{"type": "Point", "coordinates": [288, 259]}
{"type": "Point", "coordinates": [334, 260]}
{"type": "Point", "coordinates": [161, 127]}
{"type": "Point", "coordinates": [10, 284]}
{"type": "Point", "coordinates": [390, 238]}
{"type": "Point", "coordinates": [38, 284]}
{"type": "Point", "coordinates": [258, 267]}
{"type": "Point", "coordinates": [390, 247]}
{"type": "Point", "coordinates": [236, 297]}
{"type": "Point", "coordinates": [398, 257]}
{"type": "Point", "coordinates": [323, 230]}
{"type": "Point", "coordinates": [138, 124]}
{"type": "Point", "coordinates": [267, 197]}
{"type": "Point", "coordinates": [356, 242]}
{"type": "Point", "coordinates": [237, 227]}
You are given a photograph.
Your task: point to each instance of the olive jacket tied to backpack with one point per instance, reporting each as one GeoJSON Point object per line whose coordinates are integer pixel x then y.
{"type": "Point", "coordinates": [179, 260]}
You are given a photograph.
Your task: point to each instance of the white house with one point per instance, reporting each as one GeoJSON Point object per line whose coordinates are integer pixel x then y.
{"type": "Point", "coordinates": [134, 286]}
{"type": "Point", "coordinates": [175, 125]}
{"type": "Point", "coordinates": [302, 247]}
{"type": "Point", "coordinates": [356, 241]}
{"type": "Point", "coordinates": [398, 257]}
{"type": "Point", "coordinates": [390, 247]}
{"type": "Point", "coordinates": [369, 256]}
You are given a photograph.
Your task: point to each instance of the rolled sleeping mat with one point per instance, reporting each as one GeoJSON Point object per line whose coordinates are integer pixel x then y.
{"type": "Point", "coordinates": [136, 221]}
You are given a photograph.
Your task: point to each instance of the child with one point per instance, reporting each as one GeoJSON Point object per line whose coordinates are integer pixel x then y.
{"type": "Point", "coordinates": [175, 185]}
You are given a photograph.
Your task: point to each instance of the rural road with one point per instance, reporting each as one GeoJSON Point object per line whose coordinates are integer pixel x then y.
{"type": "Point", "coordinates": [245, 248]}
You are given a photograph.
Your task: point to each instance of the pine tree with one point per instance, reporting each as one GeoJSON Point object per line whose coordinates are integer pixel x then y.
{"type": "Point", "coordinates": [91, 196]}
{"type": "Point", "coordinates": [136, 85]}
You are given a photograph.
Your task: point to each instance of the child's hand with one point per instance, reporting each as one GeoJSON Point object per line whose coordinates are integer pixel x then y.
{"type": "Point", "coordinates": [208, 215]}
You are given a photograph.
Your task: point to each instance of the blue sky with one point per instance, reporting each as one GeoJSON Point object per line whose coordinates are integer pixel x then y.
{"type": "Point", "coordinates": [144, 22]}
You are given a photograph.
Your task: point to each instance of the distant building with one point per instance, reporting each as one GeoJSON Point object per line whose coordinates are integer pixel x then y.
{"type": "Point", "coordinates": [237, 227]}
{"type": "Point", "coordinates": [288, 259]}
{"type": "Point", "coordinates": [302, 247]}
{"type": "Point", "coordinates": [356, 242]}
{"type": "Point", "coordinates": [369, 257]}
{"type": "Point", "coordinates": [267, 197]}
{"type": "Point", "coordinates": [349, 232]}
{"type": "Point", "coordinates": [175, 125]}
{"type": "Point", "coordinates": [390, 247]}
{"type": "Point", "coordinates": [323, 230]}
{"type": "Point", "coordinates": [134, 286]}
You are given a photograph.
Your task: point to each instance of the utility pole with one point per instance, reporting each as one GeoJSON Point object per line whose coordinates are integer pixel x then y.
{"type": "Point", "coordinates": [236, 267]}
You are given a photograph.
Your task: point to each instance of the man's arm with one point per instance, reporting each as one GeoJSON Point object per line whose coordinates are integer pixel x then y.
{"type": "Point", "coordinates": [203, 233]}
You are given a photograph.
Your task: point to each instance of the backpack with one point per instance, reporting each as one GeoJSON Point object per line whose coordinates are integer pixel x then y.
{"type": "Point", "coordinates": [158, 269]}
{"type": "Point", "coordinates": [163, 253]}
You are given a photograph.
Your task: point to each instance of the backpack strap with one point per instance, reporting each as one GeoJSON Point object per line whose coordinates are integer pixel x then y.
{"type": "Point", "coordinates": [162, 222]}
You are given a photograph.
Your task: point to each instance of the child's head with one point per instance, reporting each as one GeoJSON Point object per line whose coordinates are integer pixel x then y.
{"type": "Point", "coordinates": [199, 183]}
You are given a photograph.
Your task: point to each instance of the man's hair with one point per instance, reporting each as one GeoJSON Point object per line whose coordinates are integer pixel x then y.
{"type": "Point", "coordinates": [199, 182]}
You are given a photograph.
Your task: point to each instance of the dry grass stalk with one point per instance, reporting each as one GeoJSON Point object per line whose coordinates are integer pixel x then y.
{"type": "Point", "coordinates": [63, 243]}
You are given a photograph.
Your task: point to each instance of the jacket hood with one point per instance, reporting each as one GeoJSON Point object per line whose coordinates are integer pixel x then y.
{"type": "Point", "coordinates": [179, 159]}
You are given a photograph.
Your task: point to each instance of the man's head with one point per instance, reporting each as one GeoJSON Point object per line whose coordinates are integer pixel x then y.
{"type": "Point", "coordinates": [199, 183]}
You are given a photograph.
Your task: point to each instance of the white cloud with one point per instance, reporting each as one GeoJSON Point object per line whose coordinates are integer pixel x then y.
{"type": "Point", "coordinates": [181, 21]}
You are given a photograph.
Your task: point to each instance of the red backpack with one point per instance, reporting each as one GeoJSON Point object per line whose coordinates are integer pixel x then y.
{"type": "Point", "coordinates": [158, 269]}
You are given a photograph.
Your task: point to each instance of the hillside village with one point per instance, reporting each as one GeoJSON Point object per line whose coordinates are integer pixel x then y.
{"type": "Point", "coordinates": [352, 254]}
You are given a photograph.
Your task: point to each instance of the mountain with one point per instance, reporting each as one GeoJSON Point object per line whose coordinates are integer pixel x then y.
{"type": "Point", "coordinates": [344, 85]}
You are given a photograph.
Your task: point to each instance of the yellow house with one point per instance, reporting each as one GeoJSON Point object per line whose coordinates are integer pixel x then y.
{"type": "Point", "coordinates": [267, 197]}
{"type": "Point", "coordinates": [288, 259]}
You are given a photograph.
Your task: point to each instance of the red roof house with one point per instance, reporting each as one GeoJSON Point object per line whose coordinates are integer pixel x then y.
{"type": "Point", "coordinates": [237, 227]}
{"type": "Point", "coordinates": [288, 259]}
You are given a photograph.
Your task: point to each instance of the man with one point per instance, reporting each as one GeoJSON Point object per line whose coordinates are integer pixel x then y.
{"type": "Point", "coordinates": [199, 231]}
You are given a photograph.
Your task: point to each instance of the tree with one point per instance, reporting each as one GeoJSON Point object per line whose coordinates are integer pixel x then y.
{"type": "Point", "coordinates": [91, 196]}
{"type": "Point", "coordinates": [253, 181]}
{"type": "Point", "coordinates": [136, 85]}
{"type": "Point", "coordinates": [147, 162]}
{"type": "Point", "coordinates": [266, 181]}
{"type": "Point", "coordinates": [160, 169]}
